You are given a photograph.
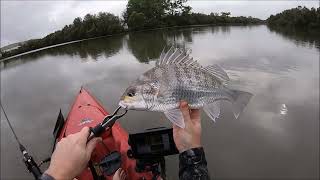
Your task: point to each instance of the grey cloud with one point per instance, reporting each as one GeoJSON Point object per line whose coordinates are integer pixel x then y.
{"type": "Point", "coordinates": [23, 20]}
{"type": "Point", "coordinates": [260, 9]}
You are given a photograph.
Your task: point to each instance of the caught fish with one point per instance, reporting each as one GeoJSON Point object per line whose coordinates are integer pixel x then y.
{"type": "Point", "coordinates": [176, 77]}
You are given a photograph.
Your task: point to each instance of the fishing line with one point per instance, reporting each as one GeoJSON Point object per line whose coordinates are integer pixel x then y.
{"type": "Point", "coordinates": [15, 135]}
{"type": "Point", "coordinates": [27, 159]}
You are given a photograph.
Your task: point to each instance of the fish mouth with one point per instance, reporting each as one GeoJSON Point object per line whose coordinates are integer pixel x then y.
{"type": "Point", "coordinates": [125, 101]}
{"type": "Point", "coordinates": [123, 105]}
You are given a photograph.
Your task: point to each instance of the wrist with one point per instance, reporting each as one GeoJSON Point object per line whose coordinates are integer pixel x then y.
{"type": "Point", "coordinates": [186, 148]}
{"type": "Point", "coordinates": [192, 156]}
{"type": "Point", "coordinates": [56, 174]}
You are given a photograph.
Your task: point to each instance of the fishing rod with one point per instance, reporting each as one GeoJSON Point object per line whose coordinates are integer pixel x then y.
{"type": "Point", "coordinates": [27, 159]}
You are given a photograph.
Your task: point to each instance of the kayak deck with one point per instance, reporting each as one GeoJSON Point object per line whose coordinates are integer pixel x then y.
{"type": "Point", "coordinates": [87, 111]}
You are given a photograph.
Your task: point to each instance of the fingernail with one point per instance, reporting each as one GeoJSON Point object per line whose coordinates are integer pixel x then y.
{"type": "Point", "coordinates": [98, 140]}
{"type": "Point", "coordinates": [183, 103]}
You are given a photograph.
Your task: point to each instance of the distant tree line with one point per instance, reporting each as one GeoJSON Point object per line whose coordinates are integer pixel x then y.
{"type": "Point", "coordinates": [300, 24]}
{"type": "Point", "coordinates": [146, 14]}
{"type": "Point", "coordinates": [100, 24]}
{"type": "Point", "coordinates": [139, 15]}
{"type": "Point", "coordinates": [145, 47]}
{"type": "Point", "coordinates": [90, 26]}
{"type": "Point", "coordinates": [300, 17]}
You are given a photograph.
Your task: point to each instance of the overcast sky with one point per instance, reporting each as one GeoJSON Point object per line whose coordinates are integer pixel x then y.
{"type": "Point", "coordinates": [23, 20]}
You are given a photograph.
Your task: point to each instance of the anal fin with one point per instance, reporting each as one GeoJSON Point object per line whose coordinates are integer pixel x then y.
{"type": "Point", "coordinates": [212, 110]}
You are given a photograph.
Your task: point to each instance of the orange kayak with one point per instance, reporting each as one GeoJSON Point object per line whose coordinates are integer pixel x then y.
{"type": "Point", "coordinates": [87, 111]}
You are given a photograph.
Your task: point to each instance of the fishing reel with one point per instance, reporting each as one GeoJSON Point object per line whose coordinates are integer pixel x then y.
{"type": "Point", "coordinates": [149, 149]}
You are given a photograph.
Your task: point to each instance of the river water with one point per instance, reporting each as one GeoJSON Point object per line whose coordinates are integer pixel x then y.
{"type": "Point", "coordinates": [277, 136]}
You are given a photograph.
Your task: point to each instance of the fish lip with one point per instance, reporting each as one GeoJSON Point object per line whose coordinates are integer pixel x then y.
{"type": "Point", "coordinates": [121, 104]}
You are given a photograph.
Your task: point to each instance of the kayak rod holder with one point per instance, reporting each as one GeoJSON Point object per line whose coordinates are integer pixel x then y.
{"type": "Point", "coordinates": [107, 122]}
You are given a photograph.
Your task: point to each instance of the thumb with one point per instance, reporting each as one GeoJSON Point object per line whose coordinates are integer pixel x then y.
{"type": "Point", "coordinates": [184, 108]}
{"type": "Point", "coordinates": [117, 173]}
{"type": "Point", "coordinates": [195, 115]}
{"type": "Point", "coordinates": [91, 145]}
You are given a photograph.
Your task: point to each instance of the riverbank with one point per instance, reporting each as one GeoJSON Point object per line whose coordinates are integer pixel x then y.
{"type": "Point", "coordinates": [48, 47]}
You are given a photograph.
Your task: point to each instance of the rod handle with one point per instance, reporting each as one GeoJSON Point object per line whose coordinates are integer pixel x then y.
{"type": "Point", "coordinates": [96, 131]}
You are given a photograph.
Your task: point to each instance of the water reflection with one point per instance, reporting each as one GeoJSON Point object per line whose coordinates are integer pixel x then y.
{"type": "Point", "coordinates": [105, 47]}
{"type": "Point", "coordinates": [148, 46]}
{"type": "Point", "coordinates": [87, 50]}
{"type": "Point", "coordinates": [268, 63]}
{"type": "Point", "coordinates": [225, 29]}
{"type": "Point", "coordinates": [276, 136]}
{"type": "Point", "coordinates": [300, 37]}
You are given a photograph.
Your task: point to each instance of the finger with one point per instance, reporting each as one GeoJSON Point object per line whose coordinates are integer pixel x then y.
{"type": "Point", "coordinates": [122, 174]}
{"type": "Point", "coordinates": [124, 177]}
{"type": "Point", "coordinates": [91, 145]}
{"type": "Point", "coordinates": [195, 115]}
{"type": "Point", "coordinates": [184, 108]}
{"type": "Point", "coordinates": [117, 174]}
{"type": "Point", "coordinates": [83, 136]}
{"type": "Point", "coordinates": [175, 127]}
{"type": "Point", "coordinates": [70, 136]}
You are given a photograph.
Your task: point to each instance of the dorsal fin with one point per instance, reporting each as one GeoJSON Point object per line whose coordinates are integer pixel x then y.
{"type": "Point", "coordinates": [161, 56]}
{"type": "Point", "coordinates": [177, 56]}
{"type": "Point", "coordinates": [218, 72]}
{"type": "Point", "coordinates": [166, 57]}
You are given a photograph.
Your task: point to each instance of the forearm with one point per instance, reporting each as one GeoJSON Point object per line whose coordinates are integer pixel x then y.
{"type": "Point", "coordinates": [193, 165]}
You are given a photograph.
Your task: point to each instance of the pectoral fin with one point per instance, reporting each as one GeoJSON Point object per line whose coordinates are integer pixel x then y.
{"type": "Point", "coordinates": [175, 116]}
{"type": "Point", "coordinates": [212, 110]}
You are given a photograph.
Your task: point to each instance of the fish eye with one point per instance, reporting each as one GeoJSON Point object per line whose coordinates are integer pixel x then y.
{"type": "Point", "coordinates": [131, 92]}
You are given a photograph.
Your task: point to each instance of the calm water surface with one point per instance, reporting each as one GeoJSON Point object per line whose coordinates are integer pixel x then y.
{"type": "Point", "coordinates": [277, 136]}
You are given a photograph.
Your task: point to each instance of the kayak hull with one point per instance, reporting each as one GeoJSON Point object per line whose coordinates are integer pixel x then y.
{"type": "Point", "coordinates": [86, 111]}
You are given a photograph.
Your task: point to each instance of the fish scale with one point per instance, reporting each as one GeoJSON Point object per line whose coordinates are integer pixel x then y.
{"type": "Point", "coordinates": [169, 75]}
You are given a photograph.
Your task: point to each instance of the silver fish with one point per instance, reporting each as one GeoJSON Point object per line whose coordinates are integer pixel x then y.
{"type": "Point", "coordinates": [176, 77]}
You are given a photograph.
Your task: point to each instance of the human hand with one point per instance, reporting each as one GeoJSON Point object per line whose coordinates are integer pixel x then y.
{"type": "Point", "coordinates": [190, 136]}
{"type": "Point", "coordinates": [119, 175]}
{"type": "Point", "coordinates": [71, 155]}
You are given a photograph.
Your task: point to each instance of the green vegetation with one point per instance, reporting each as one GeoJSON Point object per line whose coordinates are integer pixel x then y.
{"type": "Point", "coordinates": [300, 24]}
{"type": "Point", "coordinates": [146, 14]}
{"type": "Point", "coordinates": [139, 15]}
{"type": "Point", "coordinates": [300, 17]}
{"type": "Point", "coordinates": [91, 26]}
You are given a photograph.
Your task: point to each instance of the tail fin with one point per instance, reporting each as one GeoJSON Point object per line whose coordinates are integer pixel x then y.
{"type": "Point", "coordinates": [241, 99]}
